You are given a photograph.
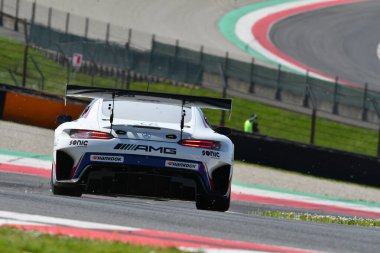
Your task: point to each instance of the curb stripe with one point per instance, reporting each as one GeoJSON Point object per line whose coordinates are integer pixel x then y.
{"type": "Point", "coordinates": [303, 205]}
{"type": "Point", "coordinates": [25, 161]}
{"type": "Point", "coordinates": [304, 199]}
{"type": "Point", "coordinates": [316, 196]}
{"type": "Point", "coordinates": [25, 155]}
{"type": "Point", "coordinates": [31, 171]}
{"type": "Point", "coordinates": [157, 239]}
{"type": "Point", "coordinates": [99, 231]}
{"type": "Point", "coordinates": [239, 32]}
{"type": "Point", "coordinates": [7, 218]}
{"type": "Point", "coordinates": [227, 25]}
{"type": "Point", "coordinates": [261, 29]}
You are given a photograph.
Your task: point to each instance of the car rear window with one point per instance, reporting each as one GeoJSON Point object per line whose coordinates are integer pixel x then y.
{"type": "Point", "coordinates": [150, 112]}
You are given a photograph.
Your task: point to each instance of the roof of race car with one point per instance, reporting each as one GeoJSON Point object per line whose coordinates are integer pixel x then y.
{"type": "Point", "coordinates": [149, 97]}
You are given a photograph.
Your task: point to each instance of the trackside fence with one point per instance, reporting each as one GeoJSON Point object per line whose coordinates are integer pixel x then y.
{"type": "Point", "coordinates": [127, 55]}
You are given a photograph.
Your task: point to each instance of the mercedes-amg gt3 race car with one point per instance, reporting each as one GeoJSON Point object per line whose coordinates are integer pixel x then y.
{"type": "Point", "coordinates": [144, 143]}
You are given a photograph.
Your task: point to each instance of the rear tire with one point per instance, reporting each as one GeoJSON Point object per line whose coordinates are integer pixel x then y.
{"type": "Point", "coordinates": [220, 204]}
{"type": "Point", "coordinates": [203, 203]}
{"type": "Point", "coordinates": [64, 191]}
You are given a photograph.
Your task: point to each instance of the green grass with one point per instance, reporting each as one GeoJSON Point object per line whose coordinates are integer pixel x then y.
{"type": "Point", "coordinates": [273, 121]}
{"type": "Point", "coordinates": [355, 221]}
{"type": "Point", "coordinates": [17, 241]}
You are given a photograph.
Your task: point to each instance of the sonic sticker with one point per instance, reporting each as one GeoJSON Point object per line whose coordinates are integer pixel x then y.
{"type": "Point", "coordinates": [212, 154]}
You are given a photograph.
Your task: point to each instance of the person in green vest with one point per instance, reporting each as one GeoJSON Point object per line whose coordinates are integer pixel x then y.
{"type": "Point", "coordinates": [251, 125]}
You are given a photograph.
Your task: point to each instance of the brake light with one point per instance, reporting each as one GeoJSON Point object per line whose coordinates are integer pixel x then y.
{"type": "Point", "coordinates": [89, 134]}
{"type": "Point", "coordinates": [207, 144]}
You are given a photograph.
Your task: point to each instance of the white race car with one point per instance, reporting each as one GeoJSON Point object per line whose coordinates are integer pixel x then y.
{"type": "Point", "coordinates": [144, 143]}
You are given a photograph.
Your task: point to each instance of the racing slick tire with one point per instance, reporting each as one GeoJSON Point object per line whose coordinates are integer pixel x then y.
{"type": "Point", "coordinates": [220, 204]}
{"type": "Point", "coordinates": [65, 191]}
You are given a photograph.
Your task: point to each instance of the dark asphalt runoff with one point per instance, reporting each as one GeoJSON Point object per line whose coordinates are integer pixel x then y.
{"type": "Point", "coordinates": [31, 195]}
{"type": "Point", "coordinates": [338, 41]}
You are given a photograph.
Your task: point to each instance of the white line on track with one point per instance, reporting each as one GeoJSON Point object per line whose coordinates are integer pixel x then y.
{"type": "Point", "coordinates": [12, 219]}
{"type": "Point", "coordinates": [20, 218]}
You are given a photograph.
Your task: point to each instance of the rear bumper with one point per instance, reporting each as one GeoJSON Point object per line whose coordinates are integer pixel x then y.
{"type": "Point", "coordinates": [125, 173]}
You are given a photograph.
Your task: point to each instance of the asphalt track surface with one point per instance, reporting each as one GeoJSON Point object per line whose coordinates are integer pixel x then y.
{"type": "Point", "coordinates": [29, 194]}
{"type": "Point", "coordinates": [337, 41]}
{"type": "Point", "coordinates": [32, 195]}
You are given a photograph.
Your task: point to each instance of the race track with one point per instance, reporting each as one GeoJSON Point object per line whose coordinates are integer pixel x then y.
{"type": "Point", "coordinates": [353, 59]}
{"type": "Point", "coordinates": [338, 41]}
{"type": "Point", "coordinates": [29, 194]}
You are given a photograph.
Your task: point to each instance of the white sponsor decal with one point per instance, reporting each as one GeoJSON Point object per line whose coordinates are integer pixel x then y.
{"type": "Point", "coordinates": [107, 158]}
{"type": "Point", "coordinates": [183, 165]}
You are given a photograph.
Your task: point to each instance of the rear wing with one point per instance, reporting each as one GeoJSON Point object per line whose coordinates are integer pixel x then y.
{"type": "Point", "coordinates": [148, 97]}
